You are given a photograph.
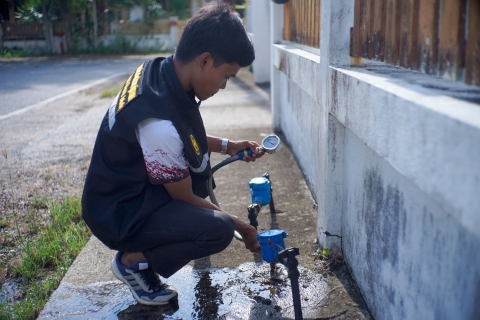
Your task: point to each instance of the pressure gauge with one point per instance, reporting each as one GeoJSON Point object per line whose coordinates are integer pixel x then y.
{"type": "Point", "coordinates": [271, 144]}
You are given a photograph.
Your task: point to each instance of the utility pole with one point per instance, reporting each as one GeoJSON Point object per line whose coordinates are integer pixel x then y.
{"type": "Point", "coordinates": [95, 24]}
{"type": "Point", "coordinates": [47, 28]}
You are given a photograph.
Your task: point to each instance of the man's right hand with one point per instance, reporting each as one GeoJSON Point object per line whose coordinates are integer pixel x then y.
{"type": "Point", "coordinates": [249, 235]}
{"type": "Point", "coordinates": [182, 190]}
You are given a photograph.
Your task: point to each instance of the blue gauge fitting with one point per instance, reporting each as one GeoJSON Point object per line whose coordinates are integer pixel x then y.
{"type": "Point", "coordinates": [242, 153]}
{"type": "Point", "coordinates": [260, 190]}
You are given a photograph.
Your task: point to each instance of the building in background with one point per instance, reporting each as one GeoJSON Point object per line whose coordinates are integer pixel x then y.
{"type": "Point", "coordinates": [97, 26]}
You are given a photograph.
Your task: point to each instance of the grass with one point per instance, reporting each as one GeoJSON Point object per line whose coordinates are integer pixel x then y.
{"type": "Point", "coordinates": [330, 259]}
{"type": "Point", "coordinates": [241, 6]}
{"type": "Point", "coordinates": [8, 53]}
{"type": "Point", "coordinates": [110, 93]}
{"type": "Point", "coordinates": [47, 256]}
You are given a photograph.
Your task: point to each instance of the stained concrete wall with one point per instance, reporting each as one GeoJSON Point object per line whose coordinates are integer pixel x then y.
{"type": "Point", "coordinates": [392, 159]}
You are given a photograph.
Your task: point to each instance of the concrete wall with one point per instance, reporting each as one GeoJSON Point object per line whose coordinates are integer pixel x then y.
{"type": "Point", "coordinates": [392, 159]}
{"type": "Point", "coordinates": [146, 42]}
{"type": "Point", "coordinates": [36, 47]}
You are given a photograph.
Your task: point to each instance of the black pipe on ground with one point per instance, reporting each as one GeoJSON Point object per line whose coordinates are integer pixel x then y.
{"type": "Point", "coordinates": [287, 258]}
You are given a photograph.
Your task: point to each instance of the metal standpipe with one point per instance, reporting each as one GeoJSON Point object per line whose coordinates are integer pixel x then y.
{"type": "Point", "coordinates": [287, 258]}
{"type": "Point", "coordinates": [271, 204]}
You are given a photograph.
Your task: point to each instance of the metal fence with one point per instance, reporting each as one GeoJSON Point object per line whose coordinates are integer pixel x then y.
{"type": "Point", "coordinates": [22, 30]}
{"type": "Point", "coordinates": [142, 28]}
{"type": "Point", "coordinates": [302, 22]}
{"type": "Point", "coordinates": [438, 37]}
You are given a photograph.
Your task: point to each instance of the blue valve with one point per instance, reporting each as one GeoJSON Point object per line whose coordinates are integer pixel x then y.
{"type": "Point", "coordinates": [242, 153]}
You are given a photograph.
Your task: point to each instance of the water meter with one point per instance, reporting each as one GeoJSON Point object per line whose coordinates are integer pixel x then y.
{"type": "Point", "coordinates": [260, 190]}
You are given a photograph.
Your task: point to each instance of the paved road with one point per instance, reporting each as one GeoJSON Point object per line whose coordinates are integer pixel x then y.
{"type": "Point", "coordinates": [27, 82]}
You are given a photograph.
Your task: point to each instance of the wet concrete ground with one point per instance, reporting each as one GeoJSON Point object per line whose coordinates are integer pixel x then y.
{"type": "Point", "coordinates": [245, 292]}
{"type": "Point", "coordinates": [229, 285]}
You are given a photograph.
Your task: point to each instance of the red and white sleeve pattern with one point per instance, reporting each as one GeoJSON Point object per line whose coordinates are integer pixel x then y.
{"type": "Point", "coordinates": [162, 151]}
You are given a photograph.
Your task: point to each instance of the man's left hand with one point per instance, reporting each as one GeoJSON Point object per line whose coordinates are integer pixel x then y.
{"type": "Point", "coordinates": [235, 147]}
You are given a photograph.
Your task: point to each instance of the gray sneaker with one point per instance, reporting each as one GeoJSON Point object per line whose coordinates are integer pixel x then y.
{"type": "Point", "coordinates": [143, 282]}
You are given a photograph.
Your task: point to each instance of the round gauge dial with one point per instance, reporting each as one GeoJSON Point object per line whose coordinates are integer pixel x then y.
{"type": "Point", "coordinates": [271, 143]}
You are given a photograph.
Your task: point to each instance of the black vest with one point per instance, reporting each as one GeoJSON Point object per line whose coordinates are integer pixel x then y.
{"type": "Point", "coordinates": [117, 195]}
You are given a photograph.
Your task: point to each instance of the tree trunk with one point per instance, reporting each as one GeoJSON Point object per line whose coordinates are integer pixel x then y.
{"type": "Point", "coordinates": [95, 24]}
{"type": "Point", "coordinates": [1, 38]}
{"type": "Point", "coordinates": [47, 28]}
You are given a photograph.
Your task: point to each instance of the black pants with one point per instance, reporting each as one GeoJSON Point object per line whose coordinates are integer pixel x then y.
{"type": "Point", "coordinates": [178, 233]}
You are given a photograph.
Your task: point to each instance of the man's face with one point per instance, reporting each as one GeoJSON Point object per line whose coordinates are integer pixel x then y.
{"type": "Point", "coordinates": [209, 79]}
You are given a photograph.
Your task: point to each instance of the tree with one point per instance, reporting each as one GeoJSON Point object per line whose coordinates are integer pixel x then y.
{"type": "Point", "coordinates": [95, 24]}
{"type": "Point", "coordinates": [31, 11]}
{"type": "Point", "coordinates": [47, 27]}
{"type": "Point", "coordinates": [83, 16]}
{"type": "Point", "coordinates": [180, 8]}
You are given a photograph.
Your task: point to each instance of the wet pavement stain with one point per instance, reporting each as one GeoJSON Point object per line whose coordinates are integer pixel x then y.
{"type": "Point", "coordinates": [208, 298]}
{"type": "Point", "coordinates": [239, 293]}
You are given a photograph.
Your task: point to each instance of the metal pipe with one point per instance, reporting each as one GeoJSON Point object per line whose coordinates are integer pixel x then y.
{"type": "Point", "coordinates": [253, 211]}
{"type": "Point", "coordinates": [297, 304]}
{"type": "Point", "coordinates": [287, 258]}
{"type": "Point", "coordinates": [271, 204]}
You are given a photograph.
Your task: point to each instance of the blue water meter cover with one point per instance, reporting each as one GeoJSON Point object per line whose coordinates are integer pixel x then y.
{"type": "Point", "coordinates": [273, 234]}
{"type": "Point", "coordinates": [271, 243]}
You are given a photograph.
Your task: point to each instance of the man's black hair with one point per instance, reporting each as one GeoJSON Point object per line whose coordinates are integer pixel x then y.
{"type": "Point", "coordinates": [216, 29]}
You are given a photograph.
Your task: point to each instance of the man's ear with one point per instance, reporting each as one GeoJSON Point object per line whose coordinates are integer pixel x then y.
{"type": "Point", "coordinates": [205, 59]}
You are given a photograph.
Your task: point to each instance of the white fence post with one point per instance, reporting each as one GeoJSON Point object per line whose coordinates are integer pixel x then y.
{"type": "Point", "coordinates": [173, 32]}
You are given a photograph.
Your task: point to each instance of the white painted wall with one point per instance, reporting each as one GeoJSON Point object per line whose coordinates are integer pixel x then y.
{"type": "Point", "coordinates": [173, 33]}
{"type": "Point", "coordinates": [392, 159]}
{"type": "Point", "coordinates": [36, 47]}
{"type": "Point", "coordinates": [152, 42]}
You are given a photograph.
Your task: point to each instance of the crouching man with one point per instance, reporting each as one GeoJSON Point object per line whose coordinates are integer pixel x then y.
{"type": "Point", "coordinates": [145, 190]}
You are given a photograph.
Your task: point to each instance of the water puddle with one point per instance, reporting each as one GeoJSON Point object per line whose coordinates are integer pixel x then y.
{"type": "Point", "coordinates": [245, 292]}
